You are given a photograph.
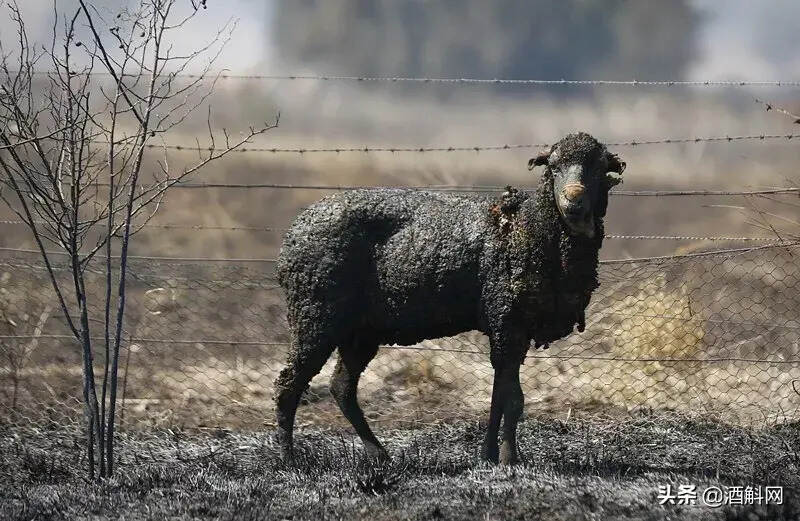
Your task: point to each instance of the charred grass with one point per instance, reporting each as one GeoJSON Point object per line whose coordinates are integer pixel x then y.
{"type": "Point", "coordinates": [582, 468]}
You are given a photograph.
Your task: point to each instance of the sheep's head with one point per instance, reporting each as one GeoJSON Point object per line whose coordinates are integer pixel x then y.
{"type": "Point", "coordinates": [582, 172]}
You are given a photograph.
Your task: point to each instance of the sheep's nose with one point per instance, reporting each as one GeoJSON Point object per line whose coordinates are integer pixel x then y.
{"type": "Point", "coordinates": [574, 191]}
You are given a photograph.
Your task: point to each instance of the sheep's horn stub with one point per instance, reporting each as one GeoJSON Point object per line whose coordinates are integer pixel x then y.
{"type": "Point", "coordinates": [539, 160]}
{"type": "Point", "coordinates": [613, 179]}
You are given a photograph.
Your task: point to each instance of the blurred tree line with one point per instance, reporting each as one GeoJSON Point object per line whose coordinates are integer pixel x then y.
{"type": "Point", "coordinates": [573, 39]}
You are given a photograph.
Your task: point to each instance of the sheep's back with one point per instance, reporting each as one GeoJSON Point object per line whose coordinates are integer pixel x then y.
{"type": "Point", "coordinates": [404, 263]}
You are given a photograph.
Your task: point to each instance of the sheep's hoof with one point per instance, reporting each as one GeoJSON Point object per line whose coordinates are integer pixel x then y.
{"type": "Point", "coordinates": [285, 447]}
{"type": "Point", "coordinates": [490, 453]}
{"type": "Point", "coordinates": [508, 454]}
{"type": "Point", "coordinates": [287, 455]}
{"type": "Point", "coordinates": [376, 453]}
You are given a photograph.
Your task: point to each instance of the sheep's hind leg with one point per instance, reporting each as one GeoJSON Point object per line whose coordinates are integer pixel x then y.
{"type": "Point", "coordinates": [305, 361]}
{"type": "Point", "coordinates": [353, 360]}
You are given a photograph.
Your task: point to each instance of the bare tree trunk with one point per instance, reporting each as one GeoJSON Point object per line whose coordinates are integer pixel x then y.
{"type": "Point", "coordinates": [89, 395]}
{"type": "Point", "coordinates": [112, 408]}
{"type": "Point", "coordinates": [107, 307]}
{"type": "Point", "coordinates": [105, 362]}
{"type": "Point", "coordinates": [144, 123]}
{"type": "Point", "coordinates": [123, 267]}
{"type": "Point", "coordinates": [89, 390]}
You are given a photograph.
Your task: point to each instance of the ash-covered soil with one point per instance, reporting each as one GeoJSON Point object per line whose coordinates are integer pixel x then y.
{"type": "Point", "coordinates": [580, 468]}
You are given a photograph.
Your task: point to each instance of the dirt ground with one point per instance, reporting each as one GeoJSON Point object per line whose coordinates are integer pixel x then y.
{"type": "Point", "coordinates": [577, 468]}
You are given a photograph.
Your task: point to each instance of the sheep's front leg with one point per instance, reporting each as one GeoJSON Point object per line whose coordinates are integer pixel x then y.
{"type": "Point", "coordinates": [508, 351]}
{"type": "Point", "coordinates": [513, 403]}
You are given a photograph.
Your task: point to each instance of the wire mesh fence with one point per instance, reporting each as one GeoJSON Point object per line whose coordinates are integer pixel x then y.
{"type": "Point", "coordinates": [204, 343]}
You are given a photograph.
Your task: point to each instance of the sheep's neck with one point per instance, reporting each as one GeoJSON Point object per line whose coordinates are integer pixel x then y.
{"type": "Point", "coordinates": [553, 273]}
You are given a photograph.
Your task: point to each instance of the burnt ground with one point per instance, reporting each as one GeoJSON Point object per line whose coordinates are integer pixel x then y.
{"type": "Point", "coordinates": [580, 468]}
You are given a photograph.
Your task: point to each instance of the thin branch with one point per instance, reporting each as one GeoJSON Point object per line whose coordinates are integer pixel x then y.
{"type": "Point", "coordinates": [771, 106]}
{"type": "Point", "coordinates": [34, 139]}
{"type": "Point", "coordinates": [109, 66]}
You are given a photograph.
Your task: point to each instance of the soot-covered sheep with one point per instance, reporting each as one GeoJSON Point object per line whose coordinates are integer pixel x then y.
{"type": "Point", "coordinates": [370, 267]}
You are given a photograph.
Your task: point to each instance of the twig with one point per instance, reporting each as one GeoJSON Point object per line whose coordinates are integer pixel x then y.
{"type": "Point", "coordinates": [770, 106]}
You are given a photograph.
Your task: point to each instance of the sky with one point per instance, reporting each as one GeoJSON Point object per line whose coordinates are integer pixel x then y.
{"type": "Point", "coordinates": [743, 38]}
{"type": "Point", "coordinates": [738, 38]}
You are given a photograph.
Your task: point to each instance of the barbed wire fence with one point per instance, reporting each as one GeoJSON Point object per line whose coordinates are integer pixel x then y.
{"type": "Point", "coordinates": [227, 75]}
{"type": "Point", "coordinates": [367, 149]}
{"type": "Point", "coordinates": [206, 337]}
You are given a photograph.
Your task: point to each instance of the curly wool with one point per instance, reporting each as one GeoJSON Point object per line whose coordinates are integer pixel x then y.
{"type": "Point", "coordinates": [557, 271]}
{"type": "Point", "coordinates": [400, 266]}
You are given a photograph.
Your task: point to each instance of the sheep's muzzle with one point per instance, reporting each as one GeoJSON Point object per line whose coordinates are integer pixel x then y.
{"type": "Point", "coordinates": [576, 209]}
{"type": "Point", "coordinates": [574, 191]}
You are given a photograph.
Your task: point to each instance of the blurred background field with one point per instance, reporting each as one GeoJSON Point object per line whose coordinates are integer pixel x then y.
{"type": "Point", "coordinates": [714, 334]}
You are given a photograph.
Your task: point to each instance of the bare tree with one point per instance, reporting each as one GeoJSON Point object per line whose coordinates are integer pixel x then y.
{"type": "Point", "coordinates": [77, 120]}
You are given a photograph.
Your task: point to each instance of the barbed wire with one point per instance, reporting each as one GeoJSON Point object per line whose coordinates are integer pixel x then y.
{"type": "Point", "coordinates": [692, 238]}
{"type": "Point", "coordinates": [780, 243]}
{"type": "Point", "coordinates": [471, 188]}
{"type": "Point", "coordinates": [133, 339]}
{"type": "Point", "coordinates": [200, 227]}
{"type": "Point", "coordinates": [178, 226]}
{"type": "Point", "coordinates": [460, 81]}
{"type": "Point", "coordinates": [149, 257]}
{"type": "Point", "coordinates": [472, 148]}
{"type": "Point", "coordinates": [730, 251]}
{"type": "Point", "coordinates": [148, 340]}
{"type": "Point", "coordinates": [136, 275]}
{"type": "Point", "coordinates": [673, 193]}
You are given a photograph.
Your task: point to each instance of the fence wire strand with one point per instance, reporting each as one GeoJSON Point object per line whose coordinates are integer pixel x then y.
{"type": "Point", "coordinates": [465, 189]}
{"type": "Point", "coordinates": [464, 81]}
{"type": "Point", "coordinates": [270, 229]}
{"type": "Point", "coordinates": [176, 260]}
{"type": "Point", "coordinates": [367, 149]}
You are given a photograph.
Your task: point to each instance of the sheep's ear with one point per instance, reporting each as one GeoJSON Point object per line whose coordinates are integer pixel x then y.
{"type": "Point", "coordinates": [615, 164]}
{"type": "Point", "coordinates": [539, 160]}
